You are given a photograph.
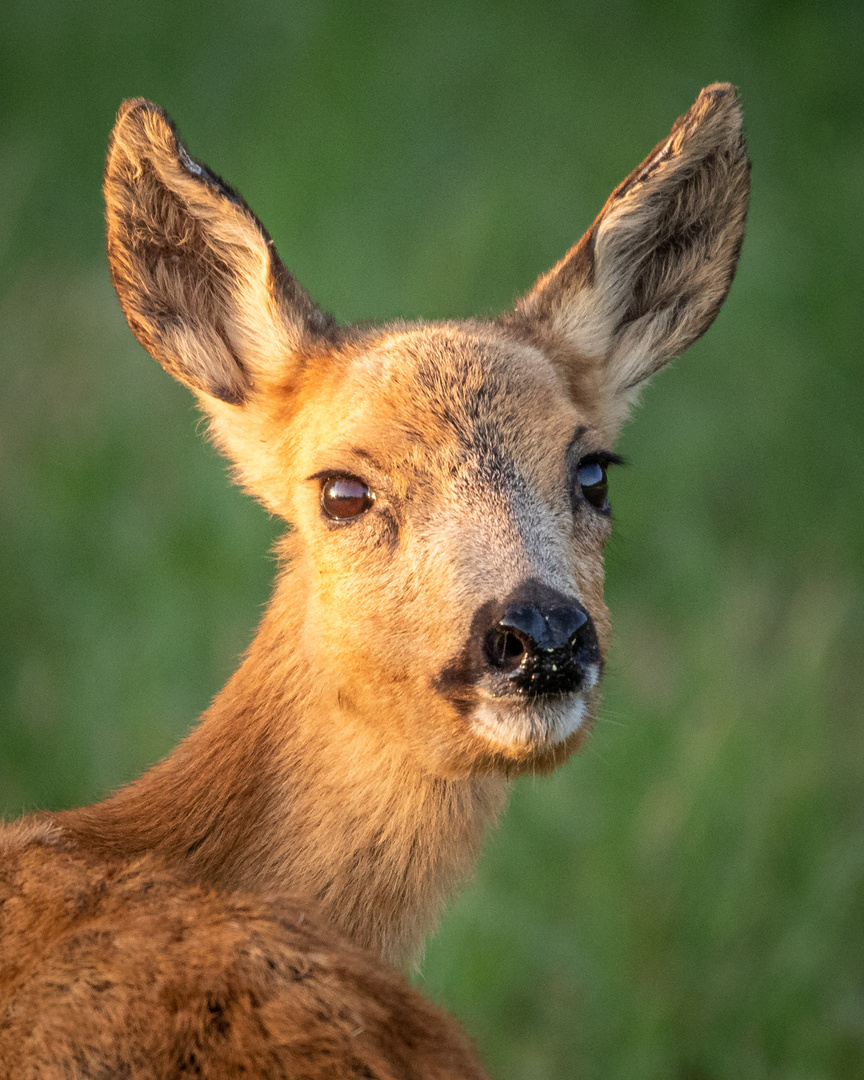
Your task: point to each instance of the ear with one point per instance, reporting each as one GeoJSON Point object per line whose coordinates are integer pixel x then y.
{"type": "Point", "coordinates": [198, 277]}
{"type": "Point", "coordinates": [650, 275]}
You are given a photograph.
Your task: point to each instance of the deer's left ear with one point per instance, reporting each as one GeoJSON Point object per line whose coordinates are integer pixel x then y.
{"type": "Point", "coordinates": [649, 276]}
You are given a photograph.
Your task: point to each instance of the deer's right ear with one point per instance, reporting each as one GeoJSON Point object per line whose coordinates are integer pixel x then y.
{"type": "Point", "coordinates": [197, 275]}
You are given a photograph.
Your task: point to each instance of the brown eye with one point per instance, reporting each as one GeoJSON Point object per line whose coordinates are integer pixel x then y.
{"type": "Point", "coordinates": [345, 497]}
{"type": "Point", "coordinates": [595, 486]}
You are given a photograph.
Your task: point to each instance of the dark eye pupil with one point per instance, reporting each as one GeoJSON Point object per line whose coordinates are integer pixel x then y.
{"type": "Point", "coordinates": [595, 486]}
{"type": "Point", "coordinates": [345, 497]}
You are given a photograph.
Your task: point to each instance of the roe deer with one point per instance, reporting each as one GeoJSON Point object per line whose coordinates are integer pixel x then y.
{"type": "Point", "coordinates": [438, 626]}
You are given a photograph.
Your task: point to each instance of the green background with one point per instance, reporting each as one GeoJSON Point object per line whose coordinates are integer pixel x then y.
{"type": "Point", "coordinates": [685, 899]}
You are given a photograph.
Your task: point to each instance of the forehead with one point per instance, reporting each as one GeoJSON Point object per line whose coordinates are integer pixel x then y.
{"type": "Point", "coordinates": [466, 391]}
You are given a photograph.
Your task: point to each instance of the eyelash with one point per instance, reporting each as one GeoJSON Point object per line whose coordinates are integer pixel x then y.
{"type": "Point", "coordinates": [600, 457]}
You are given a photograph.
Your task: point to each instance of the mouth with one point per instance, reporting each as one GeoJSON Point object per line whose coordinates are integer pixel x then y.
{"type": "Point", "coordinates": [516, 722]}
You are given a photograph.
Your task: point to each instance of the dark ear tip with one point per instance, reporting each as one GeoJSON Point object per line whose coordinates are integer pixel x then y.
{"type": "Point", "coordinates": [717, 104]}
{"type": "Point", "coordinates": [719, 90]}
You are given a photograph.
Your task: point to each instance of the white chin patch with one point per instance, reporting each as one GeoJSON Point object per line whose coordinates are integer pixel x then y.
{"type": "Point", "coordinates": [521, 724]}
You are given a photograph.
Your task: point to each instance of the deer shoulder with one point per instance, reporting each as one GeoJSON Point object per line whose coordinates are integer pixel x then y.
{"type": "Point", "coordinates": [118, 969]}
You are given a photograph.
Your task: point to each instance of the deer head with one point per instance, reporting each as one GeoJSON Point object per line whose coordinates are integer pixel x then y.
{"type": "Point", "coordinates": [445, 482]}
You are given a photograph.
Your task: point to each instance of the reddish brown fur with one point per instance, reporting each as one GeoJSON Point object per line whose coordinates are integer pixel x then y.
{"type": "Point", "coordinates": [356, 758]}
{"type": "Point", "coordinates": [122, 971]}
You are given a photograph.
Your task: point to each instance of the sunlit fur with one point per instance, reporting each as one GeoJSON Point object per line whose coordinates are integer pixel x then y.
{"type": "Point", "coordinates": [356, 758]}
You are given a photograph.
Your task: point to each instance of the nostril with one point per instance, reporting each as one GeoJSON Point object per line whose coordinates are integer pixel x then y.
{"type": "Point", "coordinates": [504, 649]}
{"type": "Point", "coordinates": [511, 648]}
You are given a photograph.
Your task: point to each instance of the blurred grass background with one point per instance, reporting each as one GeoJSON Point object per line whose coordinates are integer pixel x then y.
{"type": "Point", "coordinates": [685, 899]}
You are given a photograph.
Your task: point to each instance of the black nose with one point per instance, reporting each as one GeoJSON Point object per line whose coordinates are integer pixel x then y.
{"type": "Point", "coordinates": [543, 649]}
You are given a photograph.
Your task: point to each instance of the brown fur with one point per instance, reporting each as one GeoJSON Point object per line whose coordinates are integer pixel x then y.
{"type": "Point", "coordinates": [357, 757]}
{"type": "Point", "coordinates": [122, 971]}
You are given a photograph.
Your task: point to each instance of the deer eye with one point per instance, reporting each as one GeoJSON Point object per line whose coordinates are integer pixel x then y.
{"type": "Point", "coordinates": [345, 497]}
{"type": "Point", "coordinates": [594, 483]}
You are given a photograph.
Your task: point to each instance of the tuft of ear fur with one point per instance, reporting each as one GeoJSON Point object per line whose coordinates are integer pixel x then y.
{"type": "Point", "coordinates": [651, 273]}
{"type": "Point", "coordinates": [198, 277]}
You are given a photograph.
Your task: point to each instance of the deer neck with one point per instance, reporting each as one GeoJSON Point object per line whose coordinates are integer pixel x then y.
{"type": "Point", "coordinates": [279, 789]}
